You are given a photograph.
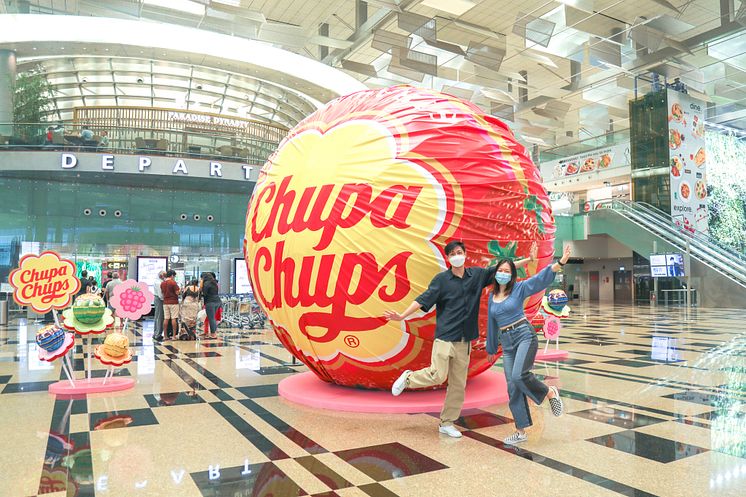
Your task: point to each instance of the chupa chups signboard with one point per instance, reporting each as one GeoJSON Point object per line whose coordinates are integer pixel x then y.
{"type": "Point", "coordinates": [44, 282]}
{"type": "Point", "coordinates": [688, 161]}
{"type": "Point", "coordinates": [600, 159]}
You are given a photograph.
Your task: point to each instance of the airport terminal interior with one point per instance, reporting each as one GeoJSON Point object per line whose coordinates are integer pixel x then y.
{"type": "Point", "coordinates": [215, 214]}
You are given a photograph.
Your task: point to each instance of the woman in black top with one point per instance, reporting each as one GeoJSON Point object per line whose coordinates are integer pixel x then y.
{"type": "Point", "coordinates": [212, 301]}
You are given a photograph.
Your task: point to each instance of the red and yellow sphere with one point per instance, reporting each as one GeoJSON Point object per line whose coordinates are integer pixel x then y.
{"type": "Point", "coordinates": [350, 215]}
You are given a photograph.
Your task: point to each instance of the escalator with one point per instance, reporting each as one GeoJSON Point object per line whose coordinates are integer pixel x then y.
{"type": "Point", "coordinates": [716, 272]}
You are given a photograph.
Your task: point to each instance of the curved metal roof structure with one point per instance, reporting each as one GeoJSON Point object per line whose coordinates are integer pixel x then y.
{"type": "Point", "coordinates": [94, 61]}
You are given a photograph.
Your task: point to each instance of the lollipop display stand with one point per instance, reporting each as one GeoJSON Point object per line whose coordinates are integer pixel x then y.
{"type": "Point", "coordinates": [554, 307]}
{"type": "Point", "coordinates": [47, 282]}
{"type": "Point", "coordinates": [89, 384]}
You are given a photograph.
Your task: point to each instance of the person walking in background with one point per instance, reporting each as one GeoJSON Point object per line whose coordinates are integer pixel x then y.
{"type": "Point", "coordinates": [211, 296]}
{"type": "Point", "coordinates": [158, 304]}
{"type": "Point", "coordinates": [170, 291]}
{"type": "Point", "coordinates": [455, 293]}
{"type": "Point", "coordinates": [507, 324]}
{"type": "Point", "coordinates": [110, 286]}
{"type": "Point", "coordinates": [84, 283]}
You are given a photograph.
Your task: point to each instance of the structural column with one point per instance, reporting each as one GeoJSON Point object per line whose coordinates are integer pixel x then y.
{"type": "Point", "coordinates": [7, 80]}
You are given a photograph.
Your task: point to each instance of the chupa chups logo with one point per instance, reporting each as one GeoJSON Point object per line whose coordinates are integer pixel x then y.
{"type": "Point", "coordinates": [331, 245]}
{"type": "Point", "coordinates": [44, 282]}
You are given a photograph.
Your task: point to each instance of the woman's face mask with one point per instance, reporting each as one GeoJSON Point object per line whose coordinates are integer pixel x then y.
{"type": "Point", "coordinates": [457, 260]}
{"type": "Point", "coordinates": [502, 278]}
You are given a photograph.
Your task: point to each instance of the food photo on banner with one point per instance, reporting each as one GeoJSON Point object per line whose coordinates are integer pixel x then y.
{"type": "Point", "coordinates": [599, 160]}
{"type": "Point", "coordinates": [687, 160]}
{"type": "Point", "coordinates": [350, 216]}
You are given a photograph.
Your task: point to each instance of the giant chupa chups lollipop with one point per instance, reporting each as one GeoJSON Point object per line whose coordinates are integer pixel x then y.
{"type": "Point", "coordinates": [350, 215]}
{"type": "Point", "coordinates": [47, 282]}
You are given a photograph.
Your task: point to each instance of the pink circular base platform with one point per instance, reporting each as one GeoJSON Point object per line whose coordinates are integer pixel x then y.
{"type": "Point", "coordinates": [487, 389]}
{"type": "Point", "coordinates": [552, 355]}
{"type": "Point", "coordinates": [94, 385]}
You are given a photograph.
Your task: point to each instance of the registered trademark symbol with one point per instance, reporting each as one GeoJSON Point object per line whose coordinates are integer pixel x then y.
{"type": "Point", "coordinates": [352, 341]}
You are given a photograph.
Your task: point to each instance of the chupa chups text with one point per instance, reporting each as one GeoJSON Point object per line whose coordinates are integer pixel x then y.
{"type": "Point", "coordinates": [313, 281]}
{"type": "Point", "coordinates": [45, 283]}
{"type": "Point", "coordinates": [353, 202]}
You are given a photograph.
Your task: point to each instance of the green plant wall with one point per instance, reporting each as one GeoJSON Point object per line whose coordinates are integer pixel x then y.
{"type": "Point", "coordinates": [726, 178]}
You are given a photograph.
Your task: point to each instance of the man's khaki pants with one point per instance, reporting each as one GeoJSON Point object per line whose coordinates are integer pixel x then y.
{"type": "Point", "coordinates": [450, 360]}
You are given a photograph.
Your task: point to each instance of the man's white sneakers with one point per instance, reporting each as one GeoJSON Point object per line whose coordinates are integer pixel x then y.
{"type": "Point", "coordinates": [401, 383]}
{"type": "Point", "coordinates": [450, 430]}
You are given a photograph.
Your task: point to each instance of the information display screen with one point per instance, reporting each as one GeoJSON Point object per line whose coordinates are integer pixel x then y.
{"type": "Point", "coordinates": [241, 283]}
{"type": "Point", "coordinates": [669, 264]}
{"type": "Point", "coordinates": [148, 269]}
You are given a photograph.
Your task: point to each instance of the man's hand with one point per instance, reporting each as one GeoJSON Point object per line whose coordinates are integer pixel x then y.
{"type": "Point", "coordinates": [566, 254]}
{"type": "Point", "coordinates": [492, 358]}
{"type": "Point", "coordinates": [393, 316]}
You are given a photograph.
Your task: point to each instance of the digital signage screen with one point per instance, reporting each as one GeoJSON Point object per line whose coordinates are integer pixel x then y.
{"type": "Point", "coordinates": [241, 283]}
{"type": "Point", "coordinates": [148, 269]}
{"type": "Point", "coordinates": [668, 264]}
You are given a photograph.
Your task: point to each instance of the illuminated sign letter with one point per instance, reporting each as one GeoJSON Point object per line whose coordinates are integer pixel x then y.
{"type": "Point", "coordinates": [144, 162]}
{"type": "Point", "coordinates": [180, 167]}
{"type": "Point", "coordinates": [69, 161]}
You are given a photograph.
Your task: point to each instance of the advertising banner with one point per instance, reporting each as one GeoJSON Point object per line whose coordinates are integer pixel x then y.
{"type": "Point", "coordinates": [599, 159]}
{"type": "Point", "coordinates": [688, 160]}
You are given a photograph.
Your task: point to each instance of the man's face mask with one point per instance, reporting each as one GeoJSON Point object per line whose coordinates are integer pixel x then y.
{"type": "Point", "coordinates": [457, 260]}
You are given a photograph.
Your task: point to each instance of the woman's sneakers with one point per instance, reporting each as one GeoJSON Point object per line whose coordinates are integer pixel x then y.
{"type": "Point", "coordinates": [515, 438]}
{"type": "Point", "coordinates": [400, 384]}
{"type": "Point", "coordinates": [556, 403]}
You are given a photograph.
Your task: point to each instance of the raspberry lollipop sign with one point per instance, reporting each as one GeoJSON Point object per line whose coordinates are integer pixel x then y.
{"type": "Point", "coordinates": [132, 299]}
{"type": "Point", "coordinates": [349, 217]}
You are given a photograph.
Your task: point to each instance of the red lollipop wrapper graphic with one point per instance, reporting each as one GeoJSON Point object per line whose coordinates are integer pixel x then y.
{"type": "Point", "coordinates": [350, 215]}
{"type": "Point", "coordinates": [132, 299]}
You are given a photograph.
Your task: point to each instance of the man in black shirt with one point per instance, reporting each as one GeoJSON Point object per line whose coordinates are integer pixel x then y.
{"type": "Point", "coordinates": [85, 283]}
{"type": "Point", "coordinates": [456, 294]}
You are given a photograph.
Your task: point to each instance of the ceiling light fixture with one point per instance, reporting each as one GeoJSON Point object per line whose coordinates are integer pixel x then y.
{"type": "Point", "coordinates": [455, 7]}
{"type": "Point", "coordinates": [182, 5]}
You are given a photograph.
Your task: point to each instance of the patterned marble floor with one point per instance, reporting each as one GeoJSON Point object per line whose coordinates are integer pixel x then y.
{"type": "Point", "coordinates": [656, 403]}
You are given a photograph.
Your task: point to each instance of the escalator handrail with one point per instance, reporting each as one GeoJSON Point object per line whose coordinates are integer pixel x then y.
{"type": "Point", "coordinates": [702, 238]}
{"type": "Point", "coordinates": [723, 263]}
{"type": "Point", "coordinates": [714, 253]}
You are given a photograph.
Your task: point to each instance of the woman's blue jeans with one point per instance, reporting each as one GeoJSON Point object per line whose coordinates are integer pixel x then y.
{"type": "Point", "coordinates": [519, 351]}
{"type": "Point", "coordinates": [211, 308]}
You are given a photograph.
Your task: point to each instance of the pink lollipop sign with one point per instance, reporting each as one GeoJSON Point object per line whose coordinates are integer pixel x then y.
{"type": "Point", "coordinates": [131, 299]}
{"type": "Point", "coordinates": [552, 327]}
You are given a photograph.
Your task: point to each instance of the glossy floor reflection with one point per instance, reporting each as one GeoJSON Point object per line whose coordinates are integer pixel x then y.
{"type": "Point", "coordinates": [655, 401]}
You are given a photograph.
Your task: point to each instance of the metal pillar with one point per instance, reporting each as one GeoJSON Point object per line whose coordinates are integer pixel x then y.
{"type": "Point", "coordinates": [7, 81]}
